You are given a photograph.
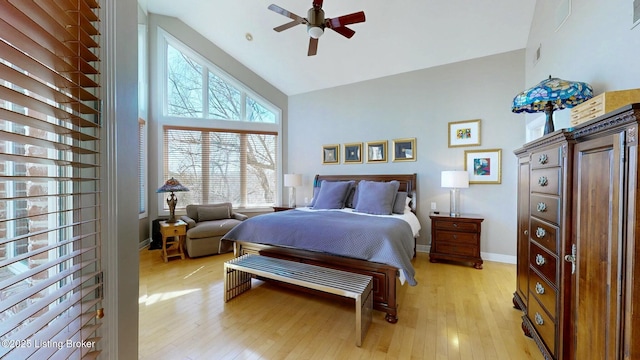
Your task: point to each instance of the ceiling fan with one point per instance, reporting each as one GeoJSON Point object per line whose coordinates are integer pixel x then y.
{"type": "Point", "coordinates": [316, 23]}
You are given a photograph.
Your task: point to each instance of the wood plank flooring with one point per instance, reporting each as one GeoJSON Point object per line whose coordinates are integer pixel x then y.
{"type": "Point", "coordinates": [455, 312]}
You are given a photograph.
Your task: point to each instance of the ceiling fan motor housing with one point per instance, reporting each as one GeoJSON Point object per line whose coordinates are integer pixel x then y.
{"type": "Point", "coordinates": [315, 25]}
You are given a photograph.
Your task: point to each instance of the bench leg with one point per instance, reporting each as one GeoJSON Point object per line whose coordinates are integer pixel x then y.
{"type": "Point", "coordinates": [235, 282]}
{"type": "Point", "coordinates": [364, 314]}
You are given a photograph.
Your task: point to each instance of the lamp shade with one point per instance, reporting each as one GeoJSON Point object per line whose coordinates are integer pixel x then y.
{"type": "Point", "coordinates": [292, 180]}
{"type": "Point", "coordinates": [454, 179]}
{"type": "Point", "coordinates": [172, 185]}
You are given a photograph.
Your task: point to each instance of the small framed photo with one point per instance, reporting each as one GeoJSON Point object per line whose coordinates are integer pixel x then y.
{"type": "Point", "coordinates": [352, 153]}
{"type": "Point", "coordinates": [484, 166]}
{"type": "Point", "coordinates": [404, 149]}
{"type": "Point", "coordinates": [464, 133]}
{"type": "Point", "coordinates": [377, 151]}
{"type": "Point", "coordinates": [331, 154]}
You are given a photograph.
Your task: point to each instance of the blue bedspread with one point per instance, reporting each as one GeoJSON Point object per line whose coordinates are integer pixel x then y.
{"type": "Point", "coordinates": [378, 239]}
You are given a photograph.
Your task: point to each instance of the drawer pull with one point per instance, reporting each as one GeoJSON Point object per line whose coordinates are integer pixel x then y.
{"type": "Point", "coordinates": [538, 318]}
{"type": "Point", "coordinates": [541, 207]}
{"type": "Point", "coordinates": [543, 181]}
{"type": "Point", "coordinates": [543, 159]}
{"type": "Point", "coordinates": [540, 260]}
{"type": "Point", "coordinates": [539, 288]}
{"type": "Point", "coordinates": [540, 232]}
{"type": "Point", "coordinates": [455, 225]}
{"type": "Point", "coordinates": [526, 232]}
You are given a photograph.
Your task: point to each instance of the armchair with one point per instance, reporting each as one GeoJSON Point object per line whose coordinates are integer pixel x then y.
{"type": "Point", "coordinates": [206, 224]}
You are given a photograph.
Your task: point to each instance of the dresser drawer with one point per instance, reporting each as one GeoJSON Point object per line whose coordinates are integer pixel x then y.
{"type": "Point", "coordinates": [546, 158]}
{"type": "Point", "coordinates": [456, 225]}
{"type": "Point", "coordinates": [546, 181]}
{"type": "Point", "coordinates": [457, 249]}
{"type": "Point", "coordinates": [545, 326]}
{"type": "Point", "coordinates": [544, 292]}
{"type": "Point", "coordinates": [545, 235]}
{"type": "Point", "coordinates": [457, 237]}
{"type": "Point", "coordinates": [544, 262]}
{"type": "Point", "coordinates": [546, 207]}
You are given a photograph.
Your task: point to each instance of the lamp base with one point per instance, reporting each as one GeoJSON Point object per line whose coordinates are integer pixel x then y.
{"type": "Point", "coordinates": [548, 125]}
{"type": "Point", "coordinates": [292, 197]}
{"type": "Point", "coordinates": [172, 201]}
{"type": "Point", "coordinates": [454, 202]}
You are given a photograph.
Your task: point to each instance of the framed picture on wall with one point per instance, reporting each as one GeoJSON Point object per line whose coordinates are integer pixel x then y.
{"type": "Point", "coordinates": [352, 153]}
{"type": "Point", "coordinates": [377, 151]}
{"type": "Point", "coordinates": [404, 149]}
{"type": "Point", "coordinates": [464, 133]}
{"type": "Point", "coordinates": [483, 166]}
{"type": "Point", "coordinates": [331, 154]}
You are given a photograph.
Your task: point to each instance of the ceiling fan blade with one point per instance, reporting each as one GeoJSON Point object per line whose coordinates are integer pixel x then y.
{"type": "Point", "coordinates": [287, 25]}
{"type": "Point", "coordinates": [317, 3]}
{"type": "Point", "coordinates": [346, 20]}
{"type": "Point", "coordinates": [313, 46]}
{"type": "Point", "coordinates": [344, 31]}
{"type": "Point", "coordinates": [287, 13]}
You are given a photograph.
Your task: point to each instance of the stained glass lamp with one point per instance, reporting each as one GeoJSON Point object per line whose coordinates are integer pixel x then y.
{"type": "Point", "coordinates": [549, 95]}
{"type": "Point", "coordinates": [172, 185]}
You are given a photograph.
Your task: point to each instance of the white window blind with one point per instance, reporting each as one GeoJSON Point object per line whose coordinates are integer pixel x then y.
{"type": "Point", "coordinates": [222, 165]}
{"type": "Point", "coordinates": [50, 271]}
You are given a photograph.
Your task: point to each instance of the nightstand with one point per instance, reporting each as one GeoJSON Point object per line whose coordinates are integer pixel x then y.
{"type": "Point", "coordinates": [177, 231]}
{"type": "Point", "coordinates": [282, 208]}
{"type": "Point", "coordinates": [456, 238]}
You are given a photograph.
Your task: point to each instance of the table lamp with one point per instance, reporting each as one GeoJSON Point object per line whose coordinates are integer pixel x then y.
{"type": "Point", "coordinates": [549, 95]}
{"type": "Point", "coordinates": [454, 180]}
{"type": "Point", "coordinates": [172, 185]}
{"type": "Point", "coordinates": [291, 181]}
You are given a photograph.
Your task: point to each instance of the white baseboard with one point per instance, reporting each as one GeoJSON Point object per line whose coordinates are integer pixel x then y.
{"type": "Point", "coordinates": [144, 244]}
{"type": "Point", "coordinates": [508, 259]}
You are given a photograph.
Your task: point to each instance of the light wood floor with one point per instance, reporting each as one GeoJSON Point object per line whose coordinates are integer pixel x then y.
{"type": "Point", "coordinates": [455, 312]}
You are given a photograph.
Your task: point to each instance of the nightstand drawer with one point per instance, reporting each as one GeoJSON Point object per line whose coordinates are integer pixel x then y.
{"type": "Point", "coordinates": [546, 207]}
{"type": "Point", "coordinates": [456, 226]}
{"type": "Point", "coordinates": [545, 326]}
{"type": "Point", "coordinates": [546, 181]}
{"type": "Point", "coordinates": [457, 249]}
{"type": "Point", "coordinates": [457, 237]}
{"type": "Point", "coordinates": [544, 234]}
{"type": "Point", "coordinates": [544, 291]}
{"type": "Point", "coordinates": [544, 262]}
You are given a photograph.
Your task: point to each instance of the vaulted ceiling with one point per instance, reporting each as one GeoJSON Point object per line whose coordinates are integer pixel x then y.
{"type": "Point", "coordinates": [397, 37]}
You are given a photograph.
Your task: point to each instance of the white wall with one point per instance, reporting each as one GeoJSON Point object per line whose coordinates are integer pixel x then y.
{"type": "Point", "coordinates": [420, 104]}
{"type": "Point", "coordinates": [596, 44]}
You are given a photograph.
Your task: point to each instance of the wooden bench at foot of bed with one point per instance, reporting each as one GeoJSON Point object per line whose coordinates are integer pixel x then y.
{"type": "Point", "coordinates": [238, 271]}
{"type": "Point", "coordinates": [384, 276]}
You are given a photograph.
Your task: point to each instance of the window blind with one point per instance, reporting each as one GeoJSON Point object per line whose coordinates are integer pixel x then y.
{"type": "Point", "coordinates": [216, 165]}
{"type": "Point", "coordinates": [50, 271]}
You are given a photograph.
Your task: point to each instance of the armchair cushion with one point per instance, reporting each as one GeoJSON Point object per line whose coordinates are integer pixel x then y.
{"type": "Point", "coordinates": [193, 210]}
{"type": "Point", "coordinates": [208, 213]}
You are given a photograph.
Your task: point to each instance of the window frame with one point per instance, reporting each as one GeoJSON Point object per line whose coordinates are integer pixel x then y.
{"type": "Point", "coordinates": [164, 39]}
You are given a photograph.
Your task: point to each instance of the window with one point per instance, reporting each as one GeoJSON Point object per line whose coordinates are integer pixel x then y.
{"type": "Point", "coordinates": [220, 139]}
{"type": "Point", "coordinates": [50, 272]}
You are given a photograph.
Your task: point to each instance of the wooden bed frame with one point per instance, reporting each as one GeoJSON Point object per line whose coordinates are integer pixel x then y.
{"type": "Point", "coordinates": [384, 276]}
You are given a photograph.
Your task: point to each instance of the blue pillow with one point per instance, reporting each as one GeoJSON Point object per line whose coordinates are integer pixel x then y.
{"type": "Point", "coordinates": [400, 202]}
{"type": "Point", "coordinates": [332, 194]}
{"type": "Point", "coordinates": [375, 197]}
{"type": "Point", "coordinates": [316, 190]}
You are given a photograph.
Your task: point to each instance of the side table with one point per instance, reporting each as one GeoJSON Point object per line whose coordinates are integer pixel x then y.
{"type": "Point", "coordinates": [456, 238]}
{"type": "Point", "coordinates": [177, 231]}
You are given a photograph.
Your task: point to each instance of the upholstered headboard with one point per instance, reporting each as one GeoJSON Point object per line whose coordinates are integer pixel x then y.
{"type": "Point", "coordinates": [407, 182]}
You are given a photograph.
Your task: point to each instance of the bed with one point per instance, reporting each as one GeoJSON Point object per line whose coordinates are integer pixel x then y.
{"type": "Point", "coordinates": [381, 246]}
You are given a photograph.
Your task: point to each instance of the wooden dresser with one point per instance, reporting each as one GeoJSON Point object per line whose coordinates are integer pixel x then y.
{"type": "Point", "coordinates": [577, 291]}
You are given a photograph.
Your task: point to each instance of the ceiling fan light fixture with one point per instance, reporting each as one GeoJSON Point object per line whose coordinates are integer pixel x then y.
{"type": "Point", "coordinates": [315, 31]}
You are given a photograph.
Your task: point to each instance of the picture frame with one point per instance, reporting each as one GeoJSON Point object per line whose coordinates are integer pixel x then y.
{"type": "Point", "coordinates": [484, 166]}
{"type": "Point", "coordinates": [464, 133]}
{"type": "Point", "coordinates": [404, 149]}
{"type": "Point", "coordinates": [352, 153]}
{"type": "Point", "coordinates": [330, 154]}
{"type": "Point", "coordinates": [377, 151]}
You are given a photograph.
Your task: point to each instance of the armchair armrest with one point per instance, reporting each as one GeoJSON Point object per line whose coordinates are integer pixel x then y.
{"type": "Point", "coordinates": [239, 216]}
{"type": "Point", "coordinates": [190, 222]}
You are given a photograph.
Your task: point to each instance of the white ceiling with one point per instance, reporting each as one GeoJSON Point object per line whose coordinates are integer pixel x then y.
{"type": "Point", "coordinates": [397, 37]}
